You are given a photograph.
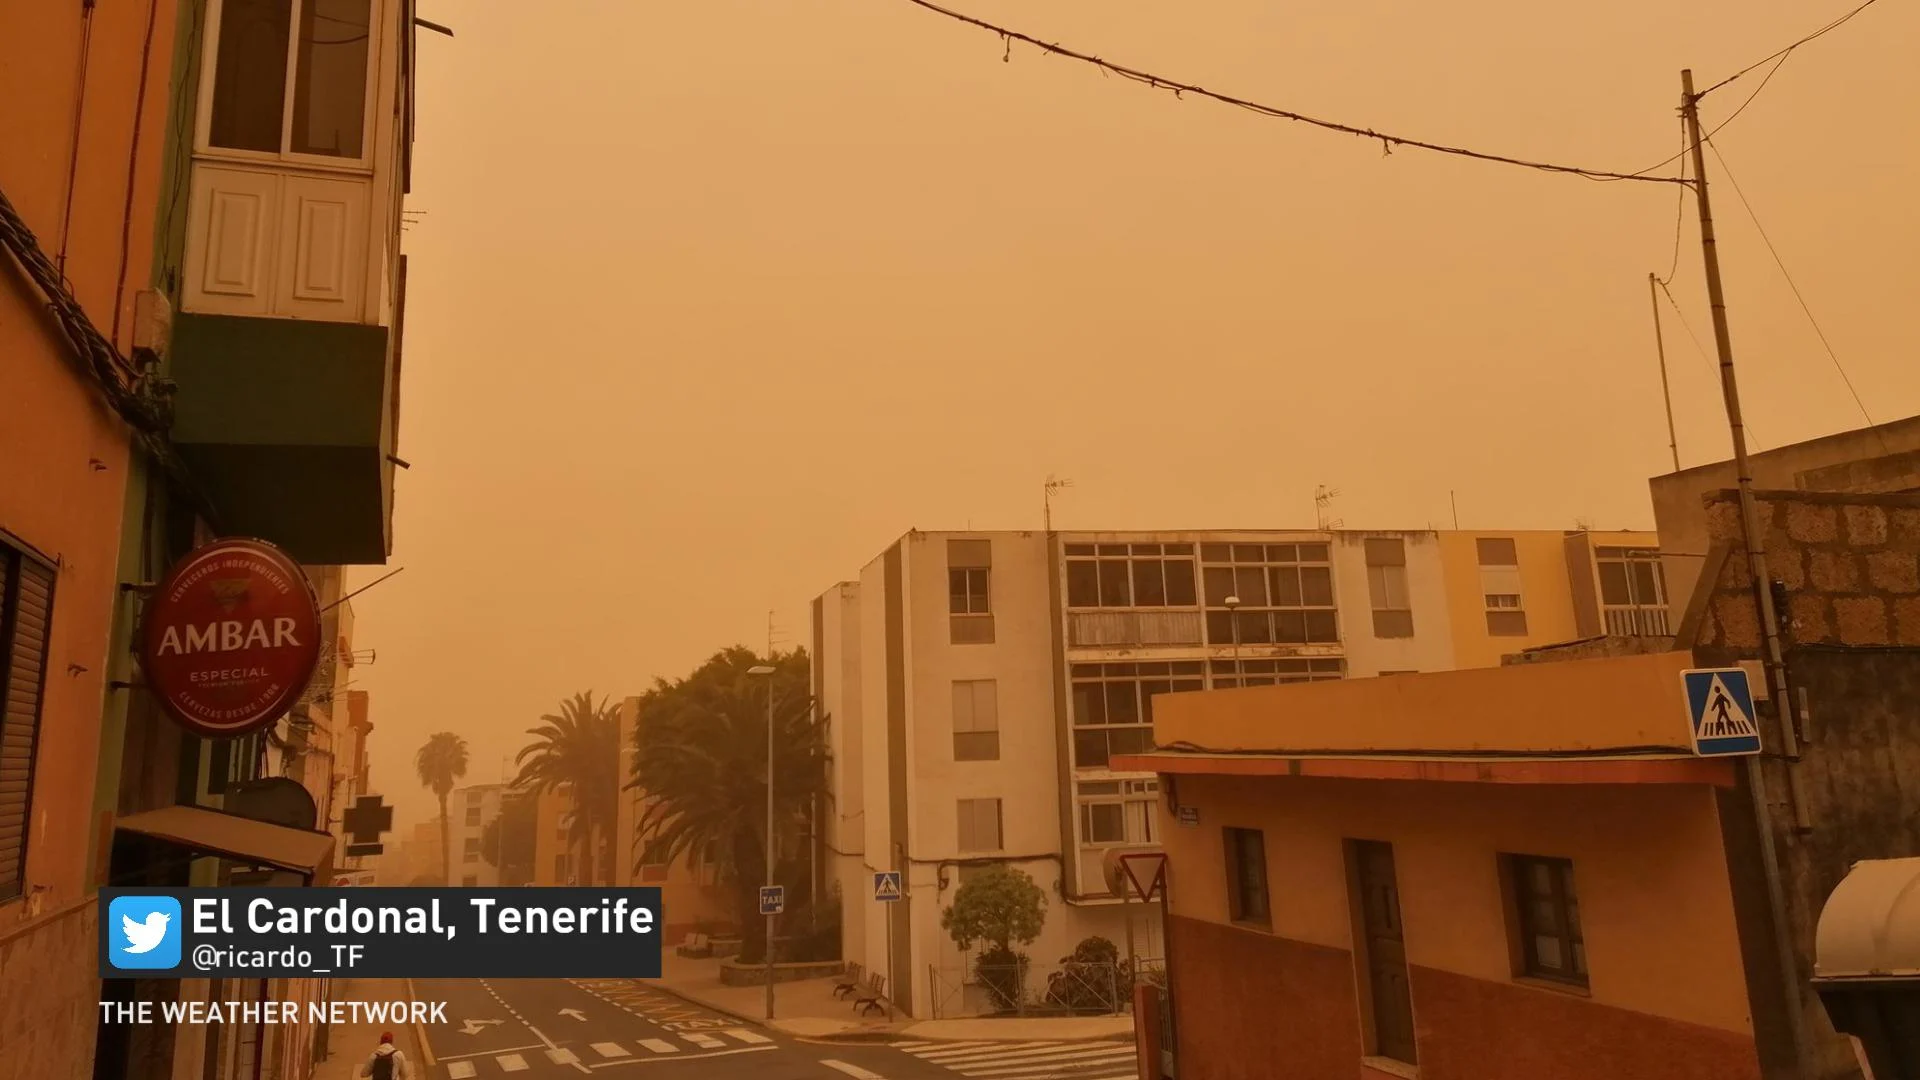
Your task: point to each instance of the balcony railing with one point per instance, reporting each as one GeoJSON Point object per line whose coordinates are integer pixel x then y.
{"type": "Point", "coordinates": [1635, 620]}
{"type": "Point", "coordinates": [1129, 629]}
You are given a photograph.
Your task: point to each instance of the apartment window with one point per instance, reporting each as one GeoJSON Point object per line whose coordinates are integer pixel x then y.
{"type": "Point", "coordinates": [1113, 705]}
{"type": "Point", "coordinates": [470, 880]}
{"type": "Point", "coordinates": [1224, 674]}
{"type": "Point", "coordinates": [1131, 576]}
{"type": "Point", "coordinates": [653, 862]}
{"type": "Point", "coordinates": [1500, 584]}
{"type": "Point", "coordinates": [473, 814]}
{"type": "Point", "coordinates": [470, 852]}
{"type": "Point", "coordinates": [1633, 590]}
{"type": "Point", "coordinates": [1284, 594]}
{"type": "Point", "coordinates": [980, 825]}
{"type": "Point", "coordinates": [1116, 812]}
{"type": "Point", "coordinates": [976, 720]}
{"type": "Point", "coordinates": [1549, 919]}
{"type": "Point", "coordinates": [969, 591]}
{"type": "Point", "coordinates": [26, 615]}
{"type": "Point", "coordinates": [1387, 587]}
{"type": "Point", "coordinates": [326, 73]}
{"type": "Point", "coordinates": [1247, 876]}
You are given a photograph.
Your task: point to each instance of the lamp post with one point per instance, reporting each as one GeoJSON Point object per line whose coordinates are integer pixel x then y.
{"type": "Point", "coordinates": [1233, 605]}
{"type": "Point", "coordinates": [766, 671]}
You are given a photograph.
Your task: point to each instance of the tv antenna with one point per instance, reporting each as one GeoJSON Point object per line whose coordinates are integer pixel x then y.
{"type": "Point", "coordinates": [1323, 497]}
{"type": "Point", "coordinates": [1053, 484]}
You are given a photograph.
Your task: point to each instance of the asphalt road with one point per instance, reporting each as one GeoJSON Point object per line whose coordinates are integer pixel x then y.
{"type": "Point", "coordinates": [548, 1029]}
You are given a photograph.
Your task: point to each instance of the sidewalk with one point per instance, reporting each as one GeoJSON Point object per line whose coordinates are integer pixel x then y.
{"type": "Point", "coordinates": [349, 1044]}
{"type": "Point", "coordinates": [808, 1010]}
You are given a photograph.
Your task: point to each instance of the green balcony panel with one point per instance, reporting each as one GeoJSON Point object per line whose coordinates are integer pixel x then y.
{"type": "Point", "coordinates": [288, 425]}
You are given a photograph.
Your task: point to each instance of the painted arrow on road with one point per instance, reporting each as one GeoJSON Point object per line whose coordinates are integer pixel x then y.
{"type": "Point", "coordinates": [575, 1013]}
{"type": "Point", "coordinates": [472, 1027]}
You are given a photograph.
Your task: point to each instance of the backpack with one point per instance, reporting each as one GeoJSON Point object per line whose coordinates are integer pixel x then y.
{"type": "Point", "coordinates": [382, 1067]}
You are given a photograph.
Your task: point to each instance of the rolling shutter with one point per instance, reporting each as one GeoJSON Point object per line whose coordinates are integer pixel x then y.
{"type": "Point", "coordinates": [26, 609]}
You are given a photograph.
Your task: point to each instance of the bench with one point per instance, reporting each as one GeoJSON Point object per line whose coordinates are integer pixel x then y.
{"type": "Point", "coordinates": [849, 981]}
{"type": "Point", "coordinates": [873, 998]}
{"type": "Point", "coordinates": [696, 945]}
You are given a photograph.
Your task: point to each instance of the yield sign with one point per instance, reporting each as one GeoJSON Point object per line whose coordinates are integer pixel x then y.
{"type": "Point", "coordinates": [1147, 870]}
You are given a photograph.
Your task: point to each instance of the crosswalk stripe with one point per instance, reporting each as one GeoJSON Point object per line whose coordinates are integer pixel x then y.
{"type": "Point", "coordinates": [958, 1050]}
{"type": "Point", "coordinates": [610, 1050]}
{"type": "Point", "coordinates": [985, 1053]}
{"type": "Point", "coordinates": [560, 1055]}
{"type": "Point", "coordinates": [746, 1036]}
{"type": "Point", "coordinates": [511, 1063]}
{"type": "Point", "coordinates": [660, 1046]}
{"type": "Point", "coordinates": [706, 1042]}
{"type": "Point", "coordinates": [460, 1070]}
{"type": "Point", "coordinates": [912, 1045]}
{"type": "Point", "coordinates": [1049, 1065]}
{"type": "Point", "coordinates": [854, 1071]}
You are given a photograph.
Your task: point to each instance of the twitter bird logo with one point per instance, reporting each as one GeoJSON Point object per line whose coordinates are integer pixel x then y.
{"type": "Point", "coordinates": [143, 932]}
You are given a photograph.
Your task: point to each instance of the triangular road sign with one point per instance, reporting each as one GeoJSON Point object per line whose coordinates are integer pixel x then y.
{"type": "Point", "coordinates": [886, 886]}
{"type": "Point", "coordinates": [1720, 712]}
{"type": "Point", "coordinates": [1147, 871]}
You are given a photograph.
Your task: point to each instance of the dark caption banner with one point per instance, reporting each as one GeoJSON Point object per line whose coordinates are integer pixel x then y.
{"type": "Point", "coordinates": [525, 933]}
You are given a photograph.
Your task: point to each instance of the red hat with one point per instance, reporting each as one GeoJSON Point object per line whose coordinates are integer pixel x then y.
{"type": "Point", "coordinates": [386, 1036]}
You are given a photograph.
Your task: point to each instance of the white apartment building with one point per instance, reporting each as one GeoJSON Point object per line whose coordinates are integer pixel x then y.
{"type": "Point", "coordinates": [977, 684]}
{"type": "Point", "coordinates": [469, 811]}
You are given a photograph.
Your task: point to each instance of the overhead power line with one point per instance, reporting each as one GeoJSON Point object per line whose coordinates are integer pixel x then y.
{"type": "Point", "coordinates": [1781, 54]}
{"type": "Point", "coordinates": [1785, 273]}
{"type": "Point", "coordinates": [1180, 89]}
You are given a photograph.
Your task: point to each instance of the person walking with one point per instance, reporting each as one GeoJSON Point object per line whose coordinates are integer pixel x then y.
{"type": "Point", "coordinates": [387, 1062]}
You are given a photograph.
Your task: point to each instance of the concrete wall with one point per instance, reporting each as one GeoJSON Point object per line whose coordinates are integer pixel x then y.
{"type": "Point", "coordinates": [1850, 566]}
{"type": "Point", "coordinates": [1598, 704]}
{"type": "Point", "coordinates": [1679, 498]}
{"type": "Point", "coordinates": [486, 798]}
{"type": "Point", "coordinates": [837, 691]}
{"type": "Point", "coordinates": [1432, 646]}
{"type": "Point", "coordinates": [1666, 995]}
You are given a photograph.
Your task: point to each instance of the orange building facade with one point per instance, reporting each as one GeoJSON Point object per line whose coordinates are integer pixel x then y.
{"type": "Point", "coordinates": [1430, 876]}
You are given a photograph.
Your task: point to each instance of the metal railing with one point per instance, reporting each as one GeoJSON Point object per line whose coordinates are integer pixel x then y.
{"type": "Point", "coordinates": [1032, 989]}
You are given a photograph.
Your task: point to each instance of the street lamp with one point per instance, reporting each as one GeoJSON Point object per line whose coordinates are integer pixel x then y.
{"type": "Point", "coordinates": [1233, 605]}
{"type": "Point", "coordinates": [766, 671]}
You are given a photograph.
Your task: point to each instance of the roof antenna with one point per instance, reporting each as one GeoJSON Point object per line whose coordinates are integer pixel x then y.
{"type": "Point", "coordinates": [1323, 497]}
{"type": "Point", "coordinates": [1052, 486]}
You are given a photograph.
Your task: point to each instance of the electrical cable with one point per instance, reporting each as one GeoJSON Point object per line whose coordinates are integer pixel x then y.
{"type": "Point", "coordinates": [1808, 311]}
{"type": "Point", "coordinates": [1680, 211]}
{"type": "Point", "coordinates": [1753, 437]}
{"type": "Point", "coordinates": [79, 117]}
{"type": "Point", "coordinates": [133, 170]}
{"type": "Point", "coordinates": [1179, 89]}
{"type": "Point", "coordinates": [1782, 54]}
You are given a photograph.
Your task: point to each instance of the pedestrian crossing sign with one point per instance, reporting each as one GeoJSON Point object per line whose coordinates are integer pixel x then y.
{"type": "Point", "coordinates": [886, 886]}
{"type": "Point", "coordinates": [1720, 712]}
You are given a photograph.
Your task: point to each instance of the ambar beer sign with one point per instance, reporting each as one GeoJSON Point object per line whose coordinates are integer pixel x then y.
{"type": "Point", "coordinates": [231, 638]}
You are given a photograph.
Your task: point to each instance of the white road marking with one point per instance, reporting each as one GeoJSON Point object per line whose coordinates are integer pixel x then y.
{"type": "Point", "coordinates": [995, 1050]}
{"type": "Point", "coordinates": [745, 1036]}
{"type": "Point", "coordinates": [490, 1053]}
{"type": "Point", "coordinates": [705, 1042]}
{"type": "Point", "coordinates": [694, 1057]}
{"type": "Point", "coordinates": [1053, 1065]}
{"type": "Point", "coordinates": [610, 1050]}
{"type": "Point", "coordinates": [854, 1071]}
{"type": "Point", "coordinates": [511, 1063]}
{"type": "Point", "coordinates": [562, 1056]}
{"type": "Point", "coordinates": [660, 1046]}
{"type": "Point", "coordinates": [1058, 1053]}
{"type": "Point", "coordinates": [460, 1070]}
{"type": "Point", "coordinates": [942, 1050]}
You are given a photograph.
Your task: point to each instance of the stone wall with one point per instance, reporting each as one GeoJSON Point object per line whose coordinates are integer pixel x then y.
{"type": "Point", "coordinates": [49, 994]}
{"type": "Point", "coordinates": [1848, 570]}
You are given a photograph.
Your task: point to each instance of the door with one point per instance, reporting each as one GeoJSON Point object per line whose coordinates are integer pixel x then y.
{"type": "Point", "coordinates": [1385, 944]}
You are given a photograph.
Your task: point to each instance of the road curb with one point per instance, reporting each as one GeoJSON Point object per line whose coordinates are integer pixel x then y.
{"type": "Point", "coordinates": [761, 1023]}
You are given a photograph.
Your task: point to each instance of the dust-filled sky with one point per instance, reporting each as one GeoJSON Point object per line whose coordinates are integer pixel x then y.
{"type": "Point", "coordinates": [708, 301]}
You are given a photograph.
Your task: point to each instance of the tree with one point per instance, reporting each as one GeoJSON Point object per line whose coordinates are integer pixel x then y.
{"type": "Point", "coordinates": [998, 907]}
{"type": "Point", "coordinates": [579, 748]}
{"type": "Point", "coordinates": [441, 763]}
{"type": "Point", "coordinates": [701, 761]}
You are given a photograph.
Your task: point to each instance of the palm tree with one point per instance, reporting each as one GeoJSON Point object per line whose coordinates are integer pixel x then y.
{"type": "Point", "coordinates": [579, 748]}
{"type": "Point", "coordinates": [441, 762]}
{"type": "Point", "coordinates": [702, 762]}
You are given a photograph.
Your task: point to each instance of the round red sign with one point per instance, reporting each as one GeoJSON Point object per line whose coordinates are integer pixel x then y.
{"type": "Point", "coordinates": [231, 638]}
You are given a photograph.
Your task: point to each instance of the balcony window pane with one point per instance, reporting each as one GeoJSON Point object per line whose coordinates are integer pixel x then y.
{"type": "Point", "coordinates": [250, 75]}
{"type": "Point", "coordinates": [1083, 584]}
{"type": "Point", "coordinates": [1149, 586]}
{"type": "Point", "coordinates": [330, 94]}
{"type": "Point", "coordinates": [1113, 583]}
{"type": "Point", "coordinates": [1180, 592]}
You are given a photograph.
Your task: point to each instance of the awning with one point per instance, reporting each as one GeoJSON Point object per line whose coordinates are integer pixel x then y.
{"type": "Point", "coordinates": [242, 839]}
{"type": "Point", "coordinates": [1870, 927]}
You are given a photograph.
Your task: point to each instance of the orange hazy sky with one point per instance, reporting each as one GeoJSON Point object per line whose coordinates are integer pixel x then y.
{"type": "Point", "coordinates": [709, 301]}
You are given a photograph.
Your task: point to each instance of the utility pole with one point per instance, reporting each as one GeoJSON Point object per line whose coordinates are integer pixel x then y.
{"type": "Point", "coordinates": [1772, 660]}
{"type": "Point", "coordinates": [1660, 345]}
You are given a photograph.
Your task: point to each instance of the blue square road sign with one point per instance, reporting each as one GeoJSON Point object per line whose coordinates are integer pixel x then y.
{"type": "Point", "coordinates": [773, 899]}
{"type": "Point", "coordinates": [1720, 712]}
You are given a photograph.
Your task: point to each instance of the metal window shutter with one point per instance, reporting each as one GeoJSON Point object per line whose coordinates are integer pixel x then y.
{"type": "Point", "coordinates": [27, 587]}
